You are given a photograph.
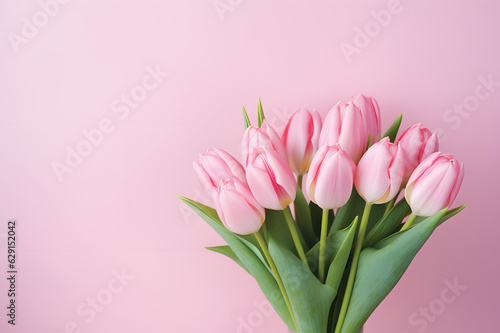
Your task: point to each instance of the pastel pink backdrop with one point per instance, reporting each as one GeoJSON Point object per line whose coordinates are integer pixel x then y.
{"type": "Point", "coordinates": [118, 209]}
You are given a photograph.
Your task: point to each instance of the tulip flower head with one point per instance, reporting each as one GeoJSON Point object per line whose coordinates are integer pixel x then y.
{"type": "Point", "coordinates": [418, 143]}
{"type": "Point", "coordinates": [371, 115]}
{"type": "Point", "coordinates": [237, 208]}
{"type": "Point", "coordinates": [344, 125]}
{"type": "Point", "coordinates": [434, 184]}
{"type": "Point", "coordinates": [265, 136]}
{"type": "Point", "coordinates": [331, 177]}
{"type": "Point", "coordinates": [380, 172]}
{"type": "Point", "coordinates": [216, 166]}
{"type": "Point", "coordinates": [301, 139]}
{"type": "Point", "coordinates": [270, 179]}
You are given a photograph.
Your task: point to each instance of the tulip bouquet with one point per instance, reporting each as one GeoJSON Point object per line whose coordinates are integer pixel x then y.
{"type": "Point", "coordinates": [313, 215]}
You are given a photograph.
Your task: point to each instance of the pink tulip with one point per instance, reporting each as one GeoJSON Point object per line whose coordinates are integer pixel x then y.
{"type": "Point", "coordinates": [237, 207]}
{"type": "Point", "coordinates": [380, 172]}
{"type": "Point", "coordinates": [344, 125]}
{"type": "Point", "coordinates": [270, 179]}
{"type": "Point", "coordinates": [434, 184]}
{"type": "Point", "coordinates": [371, 115]}
{"type": "Point", "coordinates": [301, 139]}
{"type": "Point", "coordinates": [331, 177]}
{"type": "Point", "coordinates": [265, 136]}
{"type": "Point", "coordinates": [217, 165]}
{"type": "Point", "coordinates": [418, 143]}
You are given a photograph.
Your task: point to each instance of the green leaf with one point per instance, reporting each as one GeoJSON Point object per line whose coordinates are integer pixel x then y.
{"type": "Point", "coordinates": [449, 214]}
{"type": "Point", "coordinates": [246, 119]}
{"type": "Point", "coordinates": [392, 132]}
{"type": "Point", "coordinates": [355, 207]}
{"type": "Point", "coordinates": [376, 213]}
{"type": "Point", "coordinates": [316, 216]}
{"type": "Point", "coordinates": [226, 250]}
{"type": "Point", "coordinates": [249, 259]}
{"type": "Point", "coordinates": [251, 242]}
{"type": "Point", "coordinates": [337, 267]}
{"type": "Point", "coordinates": [388, 224]}
{"type": "Point", "coordinates": [310, 299]}
{"type": "Point", "coordinates": [346, 214]}
{"type": "Point", "coordinates": [381, 267]}
{"type": "Point", "coordinates": [333, 245]}
{"type": "Point", "coordinates": [303, 217]}
{"type": "Point", "coordinates": [260, 113]}
{"type": "Point", "coordinates": [277, 225]}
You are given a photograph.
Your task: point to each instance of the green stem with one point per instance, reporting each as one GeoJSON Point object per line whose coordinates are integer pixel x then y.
{"type": "Point", "coordinates": [277, 276]}
{"type": "Point", "coordinates": [354, 267]}
{"type": "Point", "coordinates": [391, 203]}
{"type": "Point", "coordinates": [295, 235]}
{"type": "Point", "coordinates": [409, 222]}
{"type": "Point", "coordinates": [322, 245]}
{"type": "Point", "coordinates": [299, 183]}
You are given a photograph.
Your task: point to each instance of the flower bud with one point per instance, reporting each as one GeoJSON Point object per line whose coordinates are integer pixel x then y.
{"type": "Point", "coordinates": [371, 115]}
{"type": "Point", "coordinates": [217, 165]}
{"type": "Point", "coordinates": [380, 172]}
{"type": "Point", "coordinates": [434, 184]}
{"type": "Point", "coordinates": [331, 177]}
{"type": "Point", "coordinates": [237, 208]}
{"type": "Point", "coordinates": [270, 179]}
{"type": "Point", "coordinates": [301, 139]}
{"type": "Point", "coordinates": [265, 136]}
{"type": "Point", "coordinates": [418, 143]}
{"type": "Point", "coordinates": [344, 125]}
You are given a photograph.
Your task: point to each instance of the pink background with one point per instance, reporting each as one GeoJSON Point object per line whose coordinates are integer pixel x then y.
{"type": "Point", "coordinates": [118, 208]}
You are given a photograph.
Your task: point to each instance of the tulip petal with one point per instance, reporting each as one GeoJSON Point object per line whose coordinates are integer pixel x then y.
{"type": "Point", "coordinates": [334, 181]}
{"type": "Point", "coordinates": [317, 124]}
{"type": "Point", "coordinates": [353, 137]}
{"type": "Point", "coordinates": [371, 115]}
{"type": "Point", "coordinates": [204, 178]}
{"type": "Point", "coordinates": [297, 138]}
{"type": "Point", "coordinates": [283, 176]}
{"type": "Point", "coordinates": [316, 163]}
{"type": "Point", "coordinates": [423, 166]}
{"type": "Point", "coordinates": [262, 187]}
{"type": "Point", "coordinates": [372, 176]}
{"type": "Point", "coordinates": [331, 127]}
{"type": "Point", "coordinates": [431, 146]}
{"type": "Point", "coordinates": [430, 193]}
{"type": "Point", "coordinates": [234, 166]}
{"type": "Point", "coordinates": [239, 216]}
{"type": "Point", "coordinates": [458, 182]}
{"type": "Point", "coordinates": [276, 142]}
{"type": "Point", "coordinates": [396, 173]}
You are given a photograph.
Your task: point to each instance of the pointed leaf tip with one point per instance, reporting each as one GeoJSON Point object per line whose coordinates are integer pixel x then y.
{"type": "Point", "coordinates": [246, 119]}
{"type": "Point", "coordinates": [260, 113]}
{"type": "Point", "coordinates": [392, 132]}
